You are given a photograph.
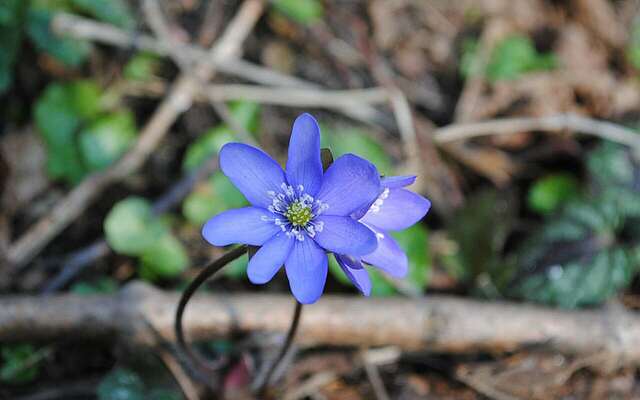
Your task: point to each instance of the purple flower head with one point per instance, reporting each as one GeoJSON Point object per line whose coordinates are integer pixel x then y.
{"type": "Point", "coordinates": [395, 209]}
{"type": "Point", "coordinates": [298, 215]}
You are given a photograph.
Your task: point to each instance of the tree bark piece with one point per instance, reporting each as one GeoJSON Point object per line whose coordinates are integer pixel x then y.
{"type": "Point", "coordinates": [435, 323]}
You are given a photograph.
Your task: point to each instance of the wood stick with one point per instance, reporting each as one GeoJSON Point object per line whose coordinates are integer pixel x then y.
{"type": "Point", "coordinates": [559, 122]}
{"type": "Point", "coordinates": [434, 323]}
{"type": "Point", "coordinates": [177, 101]}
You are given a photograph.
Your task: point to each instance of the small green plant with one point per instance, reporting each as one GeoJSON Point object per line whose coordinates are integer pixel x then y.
{"type": "Point", "coordinates": [511, 58]}
{"type": "Point", "coordinates": [304, 12]}
{"type": "Point", "coordinates": [80, 135]}
{"type": "Point", "coordinates": [133, 229]}
{"type": "Point", "coordinates": [21, 363]}
{"type": "Point", "coordinates": [548, 194]}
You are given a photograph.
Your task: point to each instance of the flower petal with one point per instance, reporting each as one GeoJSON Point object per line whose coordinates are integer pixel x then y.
{"type": "Point", "coordinates": [350, 183]}
{"type": "Point", "coordinates": [358, 276]}
{"type": "Point", "coordinates": [344, 235]}
{"type": "Point", "coordinates": [252, 171]}
{"type": "Point", "coordinates": [269, 258]}
{"type": "Point", "coordinates": [241, 225]}
{"type": "Point", "coordinates": [304, 166]}
{"type": "Point", "coordinates": [399, 210]}
{"type": "Point", "coordinates": [388, 256]}
{"type": "Point", "coordinates": [393, 182]}
{"type": "Point", "coordinates": [306, 268]}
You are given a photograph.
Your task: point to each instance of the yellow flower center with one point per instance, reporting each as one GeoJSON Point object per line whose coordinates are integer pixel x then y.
{"type": "Point", "coordinates": [298, 214]}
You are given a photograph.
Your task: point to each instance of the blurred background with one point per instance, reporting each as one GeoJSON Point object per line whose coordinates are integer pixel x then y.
{"type": "Point", "coordinates": [520, 118]}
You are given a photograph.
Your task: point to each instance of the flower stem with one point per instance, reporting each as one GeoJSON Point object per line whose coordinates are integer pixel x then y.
{"type": "Point", "coordinates": [202, 277]}
{"type": "Point", "coordinates": [293, 328]}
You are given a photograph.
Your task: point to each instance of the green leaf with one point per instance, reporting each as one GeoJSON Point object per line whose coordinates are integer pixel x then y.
{"type": "Point", "coordinates": [103, 285]}
{"type": "Point", "coordinates": [237, 269]}
{"type": "Point", "coordinates": [471, 64]}
{"type": "Point", "coordinates": [633, 47]}
{"type": "Point", "coordinates": [71, 52]}
{"type": "Point", "coordinates": [611, 165]}
{"type": "Point", "coordinates": [11, 20]}
{"type": "Point", "coordinates": [57, 121]}
{"type": "Point", "coordinates": [302, 11]}
{"type": "Point", "coordinates": [481, 229]}
{"type": "Point", "coordinates": [514, 56]}
{"type": "Point", "coordinates": [549, 193]}
{"type": "Point", "coordinates": [211, 198]}
{"type": "Point", "coordinates": [121, 384]}
{"type": "Point", "coordinates": [581, 283]}
{"type": "Point", "coordinates": [414, 243]}
{"type": "Point", "coordinates": [116, 12]}
{"type": "Point", "coordinates": [247, 114]}
{"type": "Point", "coordinates": [165, 258]}
{"type": "Point", "coordinates": [131, 228]}
{"type": "Point", "coordinates": [142, 67]}
{"type": "Point", "coordinates": [106, 139]}
{"type": "Point", "coordinates": [20, 363]}
{"type": "Point", "coordinates": [208, 145]}
{"type": "Point", "coordinates": [351, 140]}
{"type": "Point", "coordinates": [84, 97]}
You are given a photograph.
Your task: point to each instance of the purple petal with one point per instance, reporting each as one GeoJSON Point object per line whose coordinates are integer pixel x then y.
{"type": "Point", "coordinates": [304, 166]}
{"type": "Point", "coordinates": [269, 258]}
{"type": "Point", "coordinates": [388, 256]}
{"type": "Point", "coordinates": [344, 235]}
{"type": "Point", "coordinates": [394, 182]}
{"type": "Point", "coordinates": [306, 269]}
{"type": "Point", "coordinates": [350, 183]}
{"type": "Point", "coordinates": [399, 210]}
{"type": "Point", "coordinates": [358, 276]}
{"type": "Point", "coordinates": [241, 225]}
{"type": "Point", "coordinates": [252, 171]}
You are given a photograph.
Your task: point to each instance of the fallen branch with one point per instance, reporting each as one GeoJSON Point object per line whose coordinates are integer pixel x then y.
{"type": "Point", "coordinates": [176, 102]}
{"type": "Point", "coordinates": [435, 323]}
{"type": "Point", "coordinates": [558, 122]}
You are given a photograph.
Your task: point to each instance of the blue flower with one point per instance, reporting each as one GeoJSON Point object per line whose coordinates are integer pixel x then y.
{"type": "Point", "coordinates": [395, 209]}
{"type": "Point", "coordinates": [297, 215]}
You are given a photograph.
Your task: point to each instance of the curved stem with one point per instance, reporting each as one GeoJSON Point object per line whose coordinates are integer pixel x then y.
{"type": "Point", "coordinates": [293, 328]}
{"type": "Point", "coordinates": [202, 277]}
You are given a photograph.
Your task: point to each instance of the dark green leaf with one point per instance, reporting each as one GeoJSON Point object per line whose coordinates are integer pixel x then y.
{"type": "Point", "coordinates": [121, 384]}
{"type": "Point", "coordinates": [71, 52]}
{"type": "Point", "coordinates": [549, 193]}
{"type": "Point", "coordinates": [20, 363]}
{"type": "Point", "coordinates": [57, 122]}
{"type": "Point", "coordinates": [302, 11]}
{"type": "Point", "coordinates": [11, 20]}
{"type": "Point", "coordinates": [131, 228]}
{"type": "Point", "coordinates": [106, 139]}
{"type": "Point", "coordinates": [116, 12]}
{"type": "Point", "coordinates": [102, 285]}
{"type": "Point", "coordinates": [481, 229]}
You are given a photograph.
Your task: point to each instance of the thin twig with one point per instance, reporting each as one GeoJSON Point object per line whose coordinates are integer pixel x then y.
{"type": "Point", "coordinates": [176, 102]}
{"type": "Point", "coordinates": [84, 28]}
{"type": "Point", "coordinates": [295, 97]}
{"type": "Point", "coordinates": [558, 122]}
